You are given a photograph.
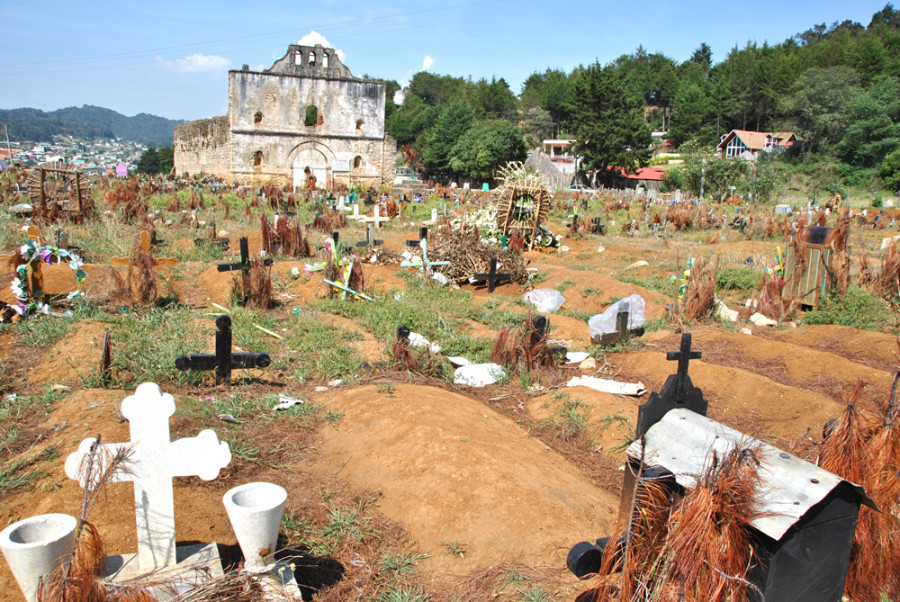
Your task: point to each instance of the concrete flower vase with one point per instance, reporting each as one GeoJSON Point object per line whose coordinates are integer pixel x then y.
{"type": "Point", "coordinates": [35, 546]}
{"type": "Point", "coordinates": [255, 511]}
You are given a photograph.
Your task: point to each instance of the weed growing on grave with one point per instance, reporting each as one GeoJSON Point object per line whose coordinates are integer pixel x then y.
{"type": "Point", "coordinates": [400, 564]}
{"type": "Point", "coordinates": [341, 525]}
{"type": "Point", "coordinates": [322, 349]}
{"type": "Point", "coordinates": [570, 416]}
{"type": "Point", "coordinates": [535, 594]}
{"type": "Point", "coordinates": [334, 417]}
{"type": "Point", "coordinates": [740, 279]}
{"type": "Point", "coordinates": [455, 548]}
{"type": "Point", "coordinates": [23, 471]}
{"type": "Point", "coordinates": [564, 286]}
{"type": "Point", "coordinates": [400, 593]}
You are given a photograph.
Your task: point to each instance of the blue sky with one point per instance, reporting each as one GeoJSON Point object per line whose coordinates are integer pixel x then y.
{"type": "Point", "coordinates": [171, 58]}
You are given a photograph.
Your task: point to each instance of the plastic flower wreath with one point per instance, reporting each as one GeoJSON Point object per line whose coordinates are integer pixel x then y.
{"type": "Point", "coordinates": [31, 252]}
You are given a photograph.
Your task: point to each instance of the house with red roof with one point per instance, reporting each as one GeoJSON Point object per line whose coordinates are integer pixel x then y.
{"type": "Point", "coordinates": [746, 144]}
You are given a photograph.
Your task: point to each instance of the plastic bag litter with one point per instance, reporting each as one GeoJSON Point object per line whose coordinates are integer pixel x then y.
{"type": "Point", "coordinates": [478, 375]}
{"type": "Point", "coordinates": [545, 300]}
{"type": "Point", "coordinates": [420, 342]}
{"type": "Point", "coordinates": [606, 322]}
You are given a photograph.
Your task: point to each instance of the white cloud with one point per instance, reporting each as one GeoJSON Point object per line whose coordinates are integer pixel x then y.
{"type": "Point", "coordinates": [399, 95]}
{"type": "Point", "coordinates": [427, 63]}
{"type": "Point", "coordinates": [195, 63]}
{"type": "Point", "coordinates": [314, 37]}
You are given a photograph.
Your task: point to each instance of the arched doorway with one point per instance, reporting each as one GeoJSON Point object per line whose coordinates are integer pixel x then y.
{"type": "Point", "coordinates": [317, 163]}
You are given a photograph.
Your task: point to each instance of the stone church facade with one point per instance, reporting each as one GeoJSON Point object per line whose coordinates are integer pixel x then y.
{"type": "Point", "coordinates": [306, 115]}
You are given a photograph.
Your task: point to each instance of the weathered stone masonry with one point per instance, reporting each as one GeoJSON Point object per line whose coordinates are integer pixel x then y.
{"type": "Point", "coordinates": [271, 132]}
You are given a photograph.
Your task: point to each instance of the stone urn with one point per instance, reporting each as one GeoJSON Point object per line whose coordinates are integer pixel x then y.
{"type": "Point", "coordinates": [255, 511]}
{"type": "Point", "coordinates": [35, 546]}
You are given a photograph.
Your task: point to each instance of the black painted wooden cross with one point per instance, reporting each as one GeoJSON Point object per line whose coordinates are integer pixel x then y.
{"type": "Point", "coordinates": [423, 234]}
{"type": "Point", "coordinates": [223, 361]}
{"type": "Point", "coordinates": [336, 247]}
{"type": "Point", "coordinates": [683, 357]}
{"type": "Point", "coordinates": [677, 392]}
{"type": "Point", "coordinates": [597, 227]}
{"type": "Point", "coordinates": [370, 240]}
{"type": "Point", "coordinates": [492, 277]}
{"type": "Point", "coordinates": [245, 262]}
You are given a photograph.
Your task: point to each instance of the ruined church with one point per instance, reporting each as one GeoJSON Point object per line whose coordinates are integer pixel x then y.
{"type": "Point", "coordinates": [305, 121]}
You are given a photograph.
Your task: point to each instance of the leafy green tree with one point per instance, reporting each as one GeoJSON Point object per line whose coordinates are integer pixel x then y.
{"type": "Point", "coordinates": [485, 147]}
{"type": "Point", "coordinates": [818, 104]}
{"type": "Point", "coordinates": [454, 120]}
{"type": "Point", "coordinates": [890, 170]}
{"type": "Point", "coordinates": [411, 120]}
{"type": "Point", "coordinates": [495, 100]}
{"type": "Point", "coordinates": [702, 57]}
{"type": "Point", "coordinates": [873, 128]}
{"type": "Point", "coordinates": [166, 156]}
{"type": "Point", "coordinates": [537, 126]}
{"type": "Point", "coordinates": [608, 122]}
{"type": "Point", "coordinates": [701, 165]}
{"type": "Point", "coordinates": [693, 110]}
{"type": "Point", "coordinates": [149, 162]}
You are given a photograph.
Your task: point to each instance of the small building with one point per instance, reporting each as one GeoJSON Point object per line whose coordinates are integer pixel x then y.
{"type": "Point", "coordinates": [121, 170]}
{"type": "Point", "coordinates": [746, 144]}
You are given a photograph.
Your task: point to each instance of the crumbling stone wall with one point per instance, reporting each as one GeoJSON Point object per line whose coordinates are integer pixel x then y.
{"type": "Point", "coordinates": [203, 146]}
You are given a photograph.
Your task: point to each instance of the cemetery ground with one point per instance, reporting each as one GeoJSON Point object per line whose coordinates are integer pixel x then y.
{"type": "Point", "coordinates": [404, 486]}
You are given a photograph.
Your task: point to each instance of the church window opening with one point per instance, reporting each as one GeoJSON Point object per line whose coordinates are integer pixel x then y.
{"type": "Point", "coordinates": [257, 158]}
{"type": "Point", "coordinates": [258, 117]}
{"type": "Point", "coordinates": [359, 124]}
{"type": "Point", "coordinates": [357, 161]}
{"type": "Point", "coordinates": [312, 58]}
{"type": "Point", "coordinates": [312, 116]}
{"type": "Point", "coordinates": [325, 60]}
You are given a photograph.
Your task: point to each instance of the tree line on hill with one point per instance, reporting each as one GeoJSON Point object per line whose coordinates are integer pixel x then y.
{"type": "Point", "coordinates": [87, 122]}
{"type": "Point", "coordinates": [837, 86]}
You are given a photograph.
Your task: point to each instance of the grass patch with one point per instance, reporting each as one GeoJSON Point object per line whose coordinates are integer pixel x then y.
{"type": "Point", "coordinates": [43, 331]}
{"type": "Point", "coordinates": [402, 593]}
{"type": "Point", "coordinates": [740, 279]}
{"type": "Point", "coordinates": [23, 471]}
{"type": "Point", "coordinates": [570, 417]}
{"type": "Point", "coordinates": [859, 309]}
{"type": "Point", "coordinates": [400, 564]}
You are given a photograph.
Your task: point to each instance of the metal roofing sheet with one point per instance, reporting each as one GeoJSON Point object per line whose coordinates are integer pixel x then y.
{"type": "Point", "coordinates": [682, 443]}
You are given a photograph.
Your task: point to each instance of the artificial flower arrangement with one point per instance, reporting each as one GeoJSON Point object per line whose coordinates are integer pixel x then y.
{"type": "Point", "coordinates": [30, 252]}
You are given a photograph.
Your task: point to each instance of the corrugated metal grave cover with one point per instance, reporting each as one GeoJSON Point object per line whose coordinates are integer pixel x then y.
{"type": "Point", "coordinates": [682, 443]}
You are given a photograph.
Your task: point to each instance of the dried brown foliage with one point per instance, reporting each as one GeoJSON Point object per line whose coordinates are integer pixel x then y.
{"type": "Point", "coordinates": [329, 221]}
{"type": "Point", "coordinates": [700, 290]}
{"type": "Point", "coordinates": [821, 219]}
{"type": "Point", "coordinates": [390, 208]}
{"type": "Point", "coordinates": [866, 452]}
{"type": "Point", "coordinates": [523, 348]}
{"type": "Point", "coordinates": [712, 238]}
{"type": "Point", "coordinates": [403, 356]}
{"type": "Point", "coordinates": [285, 238]}
{"type": "Point", "coordinates": [253, 287]}
{"type": "Point", "coordinates": [695, 550]}
{"type": "Point", "coordinates": [141, 281]}
{"type": "Point", "coordinates": [516, 242]}
{"type": "Point", "coordinates": [680, 217]}
{"type": "Point", "coordinates": [468, 255]}
{"type": "Point", "coordinates": [128, 198]}
{"type": "Point", "coordinates": [770, 299]}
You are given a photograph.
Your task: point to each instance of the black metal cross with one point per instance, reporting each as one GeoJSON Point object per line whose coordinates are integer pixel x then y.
{"type": "Point", "coordinates": [245, 260]}
{"type": "Point", "coordinates": [423, 234]}
{"type": "Point", "coordinates": [370, 240]}
{"type": "Point", "coordinates": [597, 227]}
{"type": "Point", "coordinates": [683, 357]}
{"type": "Point", "coordinates": [223, 361]}
{"type": "Point", "coordinates": [492, 277]}
{"type": "Point", "coordinates": [336, 246]}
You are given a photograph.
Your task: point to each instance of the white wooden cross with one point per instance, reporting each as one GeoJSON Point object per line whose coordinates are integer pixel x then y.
{"type": "Point", "coordinates": [376, 219]}
{"type": "Point", "coordinates": [152, 462]}
{"type": "Point", "coordinates": [434, 217]}
{"type": "Point", "coordinates": [356, 215]}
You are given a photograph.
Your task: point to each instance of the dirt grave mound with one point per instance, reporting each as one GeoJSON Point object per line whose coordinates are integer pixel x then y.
{"type": "Point", "coordinates": [874, 349]}
{"type": "Point", "coordinates": [76, 356]}
{"type": "Point", "coordinates": [369, 349]}
{"type": "Point", "coordinates": [609, 420]}
{"type": "Point", "coordinates": [594, 291]}
{"type": "Point", "coordinates": [741, 399]}
{"type": "Point", "coordinates": [454, 472]}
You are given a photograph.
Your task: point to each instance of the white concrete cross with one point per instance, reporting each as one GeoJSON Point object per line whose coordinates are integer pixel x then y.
{"type": "Point", "coordinates": [152, 463]}
{"type": "Point", "coordinates": [434, 217]}
{"type": "Point", "coordinates": [356, 215]}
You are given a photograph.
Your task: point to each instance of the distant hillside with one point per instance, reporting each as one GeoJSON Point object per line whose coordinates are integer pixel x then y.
{"type": "Point", "coordinates": [87, 122]}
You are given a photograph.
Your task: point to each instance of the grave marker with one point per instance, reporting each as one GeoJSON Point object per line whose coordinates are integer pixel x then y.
{"type": "Point", "coordinates": [677, 392]}
{"type": "Point", "coordinates": [370, 240]}
{"type": "Point", "coordinates": [376, 218]}
{"type": "Point", "coordinates": [423, 263]}
{"type": "Point", "coordinates": [244, 264]}
{"type": "Point", "coordinates": [153, 459]}
{"type": "Point", "coordinates": [223, 361]}
{"type": "Point", "coordinates": [492, 277]}
{"type": "Point", "coordinates": [622, 333]}
{"type": "Point", "coordinates": [423, 234]}
{"type": "Point", "coordinates": [145, 247]}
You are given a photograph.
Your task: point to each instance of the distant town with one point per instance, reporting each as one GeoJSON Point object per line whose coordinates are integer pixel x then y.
{"type": "Point", "coordinates": [97, 156]}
